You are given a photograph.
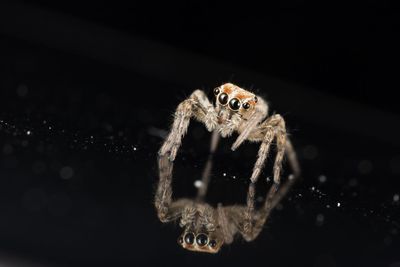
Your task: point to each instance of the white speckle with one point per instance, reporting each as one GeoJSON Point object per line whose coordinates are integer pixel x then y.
{"type": "Point", "coordinates": [268, 179]}
{"type": "Point", "coordinates": [313, 188]}
{"type": "Point", "coordinates": [365, 166]}
{"type": "Point", "coordinates": [198, 183]}
{"type": "Point", "coordinates": [310, 152]}
{"type": "Point", "coordinates": [134, 148]}
{"type": "Point", "coordinates": [22, 90]}
{"type": "Point", "coordinates": [322, 178]}
{"type": "Point", "coordinates": [28, 132]}
{"type": "Point", "coordinates": [224, 174]}
{"type": "Point", "coordinates": [49, 127]}
{"type": "Point", "coordinates": [66, 172]}
{"type": "Point", "coordinates": [395, 165]}
{"type": "Point", "coordinates": [353, 182]}
{"type": "Point", "coordinates": [8, 149]}
{"type": "Point", "coordinates": [396, 198]}
{"type": "Point", "coordinates": [234, 177]}
{"type": "Point", "coordinates": [319, 220]}
{"type": "Point", "coordinates": [338, 204]}
{"type": "Point", "coordinates": [328, 206]}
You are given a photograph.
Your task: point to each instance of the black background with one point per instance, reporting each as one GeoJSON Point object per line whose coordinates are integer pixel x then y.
{"type": "Point", "coordinates": [81, 120]}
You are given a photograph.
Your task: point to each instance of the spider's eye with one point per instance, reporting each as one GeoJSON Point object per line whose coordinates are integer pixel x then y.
{"type": "Point", "coordinates": [212, 243]}
{"type": "Point", "coordinates": [189, 238]}
{"type": "Point", "coordinates": [216, 91]}
{"type": "Point", "coordinates": [180, 240]}
{"type": "Point", "coordinates": [246, 105]}
{"type": "Point", "coordinates": [223, 99]}
{"type": "Point", "coordinates": [234, 104]}
{"type": "Point", "coordinates": [255, 99]}
{"type": "Point", "coordinates": [201, 240]}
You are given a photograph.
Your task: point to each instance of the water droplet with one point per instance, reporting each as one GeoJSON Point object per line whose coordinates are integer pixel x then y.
{"type": "Point", "coordinates": [365, 166]}
{"type": "Point", "coordinates": [66, 172]}
{"type": "Point", "coordinates": [8, 149]}
{"type": "Point", "coordinates": [353, 182]}
{"type": "Point", "coordinates": [24, 143]}
{"type": "Point", "coordinates": [22, 90]}
{"type": "Point", "coordinates": [310, 152]}
{"type": "Point", "coordinates": [319, 220]}
{"type": "Point", "coordinates": [322, 178]}
{"type": "Point", "coordinates": [198, 183]}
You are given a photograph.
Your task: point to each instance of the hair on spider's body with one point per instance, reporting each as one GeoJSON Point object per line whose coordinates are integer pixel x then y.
{"type": "Point", "coordinates": [207, 228]}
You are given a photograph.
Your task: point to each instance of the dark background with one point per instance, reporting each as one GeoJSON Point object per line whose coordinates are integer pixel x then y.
{"type": "Point", "coordinates": [87, 93]}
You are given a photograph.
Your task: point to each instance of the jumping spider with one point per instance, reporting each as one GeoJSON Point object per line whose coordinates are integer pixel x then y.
{"type": "Point", "coordinates": [207, 228]}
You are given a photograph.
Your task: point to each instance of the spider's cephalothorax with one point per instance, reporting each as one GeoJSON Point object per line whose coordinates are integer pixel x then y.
{"type": "Point", "coordinates": [202, 233]}
{"type": "Point", "coordinates": [233, 107]}
{"type": "Point", "coordinates": [236, 110]}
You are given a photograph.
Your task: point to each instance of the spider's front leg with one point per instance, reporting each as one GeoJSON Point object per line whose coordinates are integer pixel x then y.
{"type": "Point", "coordinates": [273, 128]}
{"type": "Point", "coordinates": [198, 106]}
{"type": "Point", "coordinates": [167, 210]}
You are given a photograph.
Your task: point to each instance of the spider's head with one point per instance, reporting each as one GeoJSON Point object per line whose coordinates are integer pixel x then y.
{"type": "Point", "coordinates": [235, 99]}
{"type": "Point", "coordinates": [200, 242]}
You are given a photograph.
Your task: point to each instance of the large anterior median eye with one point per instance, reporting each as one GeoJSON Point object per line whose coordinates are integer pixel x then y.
{"type": "Point", "coordinates": [189, 238]}
{"type": "Point", "coordinates": [223, 99]}
{"type": "Point", "coordinates": [202, 240]}
{"type": "Point", "coordinates": [234, 104]}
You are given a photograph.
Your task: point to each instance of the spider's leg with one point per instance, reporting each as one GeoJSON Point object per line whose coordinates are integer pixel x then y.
{"type": "Point", "coordinates": [273, 127]}
{"type": "Point", "coordinates": [205, 177]}
{"type": "Point", "coordinates": [259, 114]}
{"type": "Point", "coordinates": [167, 209]}
{"type": "Point", "coordinates": [198, 106]}
{"type": "Point", "coordinates": [263, 152]}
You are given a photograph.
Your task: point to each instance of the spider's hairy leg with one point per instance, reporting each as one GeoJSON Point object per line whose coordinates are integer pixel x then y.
{"type": "Point", "coordinates": [167, 210]}
{"type": "Point", "coordinates": [262, 153]}
{"type": "Point", "coordinates": [198, 106]}
{"type": "Point", "coordinates": [273, 127]}
{"type": "Point", "coordinates": [228, 128]}
{"type": "Point", "coordinates": [253, 221]}
{"type": "Point", "coordinates": [205, 177]}
{"type": "Point", "coordinates": [260, 112]}
{"type": "Point", "coordinates": [163, 197]}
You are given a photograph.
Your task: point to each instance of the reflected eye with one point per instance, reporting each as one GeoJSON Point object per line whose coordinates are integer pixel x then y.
{"type": "Point", "coordinates": [201, 240]}
{"type": "Point", "coordinates": [223, 99]}
{"type": "Point", "coordinates": [212, 243]}
{"type": "Point", "coordinates": [246, 105]}
{"type": "Point", "coordinates": [216, 91]}
{"type": "Point", "coordinates": [189, 238]}
{"type": "Point", "coordinates": [234, 104]}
